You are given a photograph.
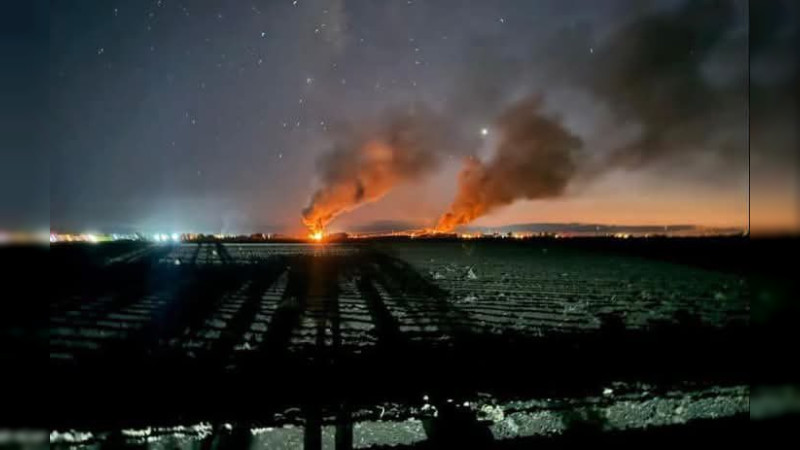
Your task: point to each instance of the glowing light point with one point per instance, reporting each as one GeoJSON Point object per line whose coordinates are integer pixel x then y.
{"type": "Point", "coordinates": [316, 236]}
{"type": "Point", "coordinates": [484, 131]}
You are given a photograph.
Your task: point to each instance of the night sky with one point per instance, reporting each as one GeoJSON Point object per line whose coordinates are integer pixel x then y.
{"type": "Point", "coordinates": [207, 116]}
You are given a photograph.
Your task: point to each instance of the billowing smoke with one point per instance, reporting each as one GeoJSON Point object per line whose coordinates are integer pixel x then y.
{"type": "Point", "coordinates": [535, 158]}
{"type": "Point", "coordinates": [366, 164]}
{"type": "Point", "coordinates": [676, 75]}
{"type": "Point", "coordinates": [681, 74]}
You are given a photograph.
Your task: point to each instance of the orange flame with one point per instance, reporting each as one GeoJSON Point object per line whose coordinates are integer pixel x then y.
{"type": "Point", "coordinates": [364, 167]}
{"type": "Point", "coordinates": [373, 175]}
{"type": "Point", "coordinates": [534, 159]}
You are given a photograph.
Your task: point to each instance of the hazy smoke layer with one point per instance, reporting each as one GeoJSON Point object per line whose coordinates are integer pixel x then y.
{"type": "Point", "coordinates": [535, 158]}
{"type": "Point", "coordinates": [681, 74]}
{"type": "Point", "coordinates": [365, 165]}
{"type": "Point", "coordinates": [676, 74]}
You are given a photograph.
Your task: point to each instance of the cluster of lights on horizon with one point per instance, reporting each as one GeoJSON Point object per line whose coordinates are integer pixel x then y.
{"type": "Point", "coordinates": [94, 238]}
{"type": "Point", "coordinates": [321, 237]}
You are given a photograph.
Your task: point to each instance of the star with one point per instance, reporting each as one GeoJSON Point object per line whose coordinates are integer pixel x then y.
{"type": "Point", "coordinates": [484, 131]}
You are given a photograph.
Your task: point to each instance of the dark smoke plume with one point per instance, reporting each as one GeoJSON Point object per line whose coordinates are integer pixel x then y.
{"type": "Point", "coordinates": [535, 159]}
{"type": "Point", "coordinates": [656, 71]}
{"type": "Point", "coordinates": [659, 71]}
{"type": "Point", "coordinates": [677, 75]}
{"type": "Point", "coordinates": [366, 164]}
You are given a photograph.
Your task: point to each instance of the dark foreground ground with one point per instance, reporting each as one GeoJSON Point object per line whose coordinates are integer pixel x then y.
{"type": "Point", "coordinates": [507, 345]}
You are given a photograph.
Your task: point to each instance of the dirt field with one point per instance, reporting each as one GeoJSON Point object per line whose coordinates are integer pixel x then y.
{"type": "Point", "coordinates": [320, 337]}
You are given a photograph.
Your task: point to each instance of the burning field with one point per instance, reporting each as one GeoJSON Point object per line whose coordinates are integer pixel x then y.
{"type": "Point", "coordinates": [474, 224]}
{"type": "Point", "coordinates": [385, 343]}
{"type": "Point", "coordinates": [534, 159]}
